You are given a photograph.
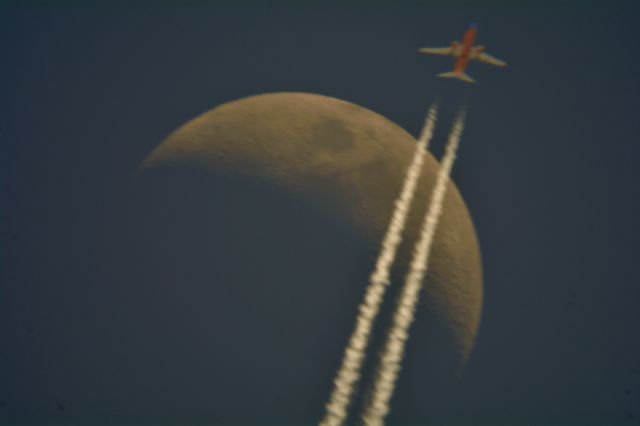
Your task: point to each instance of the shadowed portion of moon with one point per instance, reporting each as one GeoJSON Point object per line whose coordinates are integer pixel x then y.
{"type": "Point", "coordinates": [300, 188]}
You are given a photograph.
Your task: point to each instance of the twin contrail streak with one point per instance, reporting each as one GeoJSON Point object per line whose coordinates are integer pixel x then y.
{"type": "Point", "coordinates": [350, 370]}
{"type": "Point", "coordinates": [378, 406]}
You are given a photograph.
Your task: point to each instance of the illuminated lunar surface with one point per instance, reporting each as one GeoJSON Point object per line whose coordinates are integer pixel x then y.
{"type": "Point", "coordinates": [332, 170]}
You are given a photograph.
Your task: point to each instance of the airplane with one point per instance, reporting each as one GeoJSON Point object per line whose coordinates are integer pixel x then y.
{"type": "Point", "coordinates": [464, 52]}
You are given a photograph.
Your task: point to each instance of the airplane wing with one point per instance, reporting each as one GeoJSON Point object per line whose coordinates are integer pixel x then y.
{"type": "Point", "coordinates": [488, 59]}
{"type": "Point", "coordinates": [446, 51]}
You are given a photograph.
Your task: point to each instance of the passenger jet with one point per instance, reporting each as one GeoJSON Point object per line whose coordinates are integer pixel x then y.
{"type": "Point", "coordinates": [464, 52]}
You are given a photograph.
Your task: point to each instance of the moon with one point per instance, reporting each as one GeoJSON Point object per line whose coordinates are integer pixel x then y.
{"type": "Point", "coordinates": [337, 162]}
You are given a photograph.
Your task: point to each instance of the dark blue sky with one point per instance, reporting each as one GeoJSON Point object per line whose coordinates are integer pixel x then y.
{"type": "Point", "coordinates": [548, 167]}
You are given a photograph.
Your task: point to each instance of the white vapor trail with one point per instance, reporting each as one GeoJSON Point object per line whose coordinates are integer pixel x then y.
{"type": "Point", "coordinates": [349, 373]}
{"type": "Point", "coordinates": [390, 362]}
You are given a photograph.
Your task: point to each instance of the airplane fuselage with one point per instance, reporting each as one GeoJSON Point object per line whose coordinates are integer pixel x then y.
{"type": "Point", "coordinates": [467, 43]}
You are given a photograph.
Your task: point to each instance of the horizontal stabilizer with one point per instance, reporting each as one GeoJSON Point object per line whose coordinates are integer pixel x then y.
{"type": "Point", "coordinates": [459, 75]}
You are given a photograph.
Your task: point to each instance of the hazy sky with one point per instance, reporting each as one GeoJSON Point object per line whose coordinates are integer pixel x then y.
{"type": "Point", "coordinates": [548, 167]}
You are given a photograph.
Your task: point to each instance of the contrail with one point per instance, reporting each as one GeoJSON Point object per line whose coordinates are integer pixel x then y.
{"type": "Point", "coordinates": [390, 362]}
{"type": "Point", "coordinates": [349, 373]}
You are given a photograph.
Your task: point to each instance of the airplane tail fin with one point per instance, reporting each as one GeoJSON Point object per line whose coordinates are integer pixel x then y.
{"type": "Point", "coordinates": [459, 75]}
